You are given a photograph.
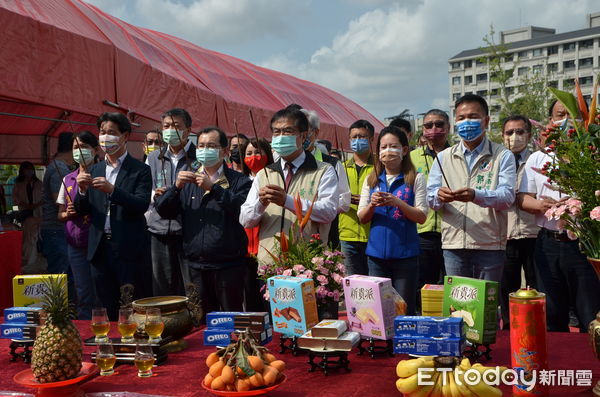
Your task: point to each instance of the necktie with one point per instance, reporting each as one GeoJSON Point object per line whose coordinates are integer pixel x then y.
{"type": "Point", "coordinates": [290, 173]}
{"type": "Point", "coordinates": [517, 158]}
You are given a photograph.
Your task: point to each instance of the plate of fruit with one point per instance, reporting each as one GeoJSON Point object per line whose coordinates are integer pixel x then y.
{"type": "Point", "coordinates": [244, 368]}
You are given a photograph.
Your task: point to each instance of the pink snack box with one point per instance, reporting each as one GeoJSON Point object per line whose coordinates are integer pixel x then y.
{"type": "Point", "coordinates": [370, 306]}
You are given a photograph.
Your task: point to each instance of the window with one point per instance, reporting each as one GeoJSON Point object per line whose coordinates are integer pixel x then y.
{"type": "Point", "coordinates": [482, 77]}
{"type": "Point", "coordinates": [583, 44]}
{"type": "Point", "coordinates": [553, 50]}
{"type": "Point", "coordinates": [456, 80]}
{"type": "Point", "coordinates": [509, 90]}
{"type": "Point", "coordinates": [456, 97]}
{"type": "Point", "coordinates": [468, 92]}
{"type": "Point", "coordinates": [479, 62]}
{"type": "Point", "coordinates": [537, 68]}
{"type": "Point", "coordinates": [495, 92]}
{"type": "Point", "coordinates": [569, 47]}
{"type": "Point", "coordinates": [482, 93]}
{"type": "Point", "coordinates": [553, 84]}
{"type": "Point", "coordinates": [569, 64]}
{"type": "Point", "coordinates": [468, 80]}
{"type": "Point", "coordinates": [588, 80]}
{"type": "Point", "coordinates": [522, 54]}
{"type": "Point", "coordinates": [568, 84]}
{"type": "Point", "coordinates": [537, 52]}
{"type": "Point", "coordinates": [509, 57]}
{"type": "Point", "coordinates": [468, 64]}
{"type": "Point", "coordinates": [455, 65]}
{"type": "Point", "coordinates": [586, 62]}
{"type": "Point", "coordinates": [587, 98]}
{"type": "Point", "coordinates": [522, 71]}
{"type": "Point", "coordinates": [553, 68]}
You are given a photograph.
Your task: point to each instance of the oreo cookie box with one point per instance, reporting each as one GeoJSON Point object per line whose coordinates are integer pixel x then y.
{"type": "Point", "coordinates": [451, 327]}
{"type": "Point", "coordinates": [22, 315]}
{"type": "Point", "coordinates": [256, 321]}
{"type": "Point", "coordinates": [223, 337]}
{"type": "Point", "coordinates": [293, 304]}
{"type": "Point", "coordinates": [428, 346]}
{"type": "Point", "coordinates": [18, 331]}
{"type": "Point", "coordinates": [476, 302]}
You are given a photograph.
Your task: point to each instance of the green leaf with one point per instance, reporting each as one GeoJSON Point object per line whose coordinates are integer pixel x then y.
{"type": "Point", "coordinates": [241, 360]}
{"type": "Point", "coordinates": [568, 100]}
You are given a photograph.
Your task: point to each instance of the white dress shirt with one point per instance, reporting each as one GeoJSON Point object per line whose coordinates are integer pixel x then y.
{"type": "Point", "coordinates": [343, 186]}
{"type": "Point", "coordinates": [111, 177]}
{"type": "Point", "coordinates": [324, 210]}
{"type": "Point", "coordinates": [536, 183]}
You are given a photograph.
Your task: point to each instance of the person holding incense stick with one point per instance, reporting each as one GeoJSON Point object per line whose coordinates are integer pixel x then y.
{"type": "Point", "coordinates": [393, 200]}
{"type": "Point", "coordinates": [169, 272]}
{"type": "Point", "coordinates": [85, 154]}
{"type": "Point", "coordinates": [473, 184]}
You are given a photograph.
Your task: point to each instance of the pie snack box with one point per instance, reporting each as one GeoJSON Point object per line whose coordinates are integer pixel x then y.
{"type": "Point", "coordinates": [476, 302]}
{"type": "Point", "coordinates": [28, 290]}
{"type": "Point", "coordinates": [371, 304]}
{"type": "Point", "coordinates": [293, 305]}
{"type": "Point", "coordinates": [344, 342]}
{"type": "Point", "coordinates": [329, 329]}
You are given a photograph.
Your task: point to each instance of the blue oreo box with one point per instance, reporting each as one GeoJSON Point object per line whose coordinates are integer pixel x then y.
{"type": "Point", "coordinates": [221, 320]}
{"type": "Point", "coordinates": [18, 331]}
{"type": "Point", "coordinates": [22, 315]}
{"type": "Point", "coordinates": [451, 327]}
{"type": "Point", "coordinates": [224, 336]}
{"type": "Point", "coordinates": [427, 346]}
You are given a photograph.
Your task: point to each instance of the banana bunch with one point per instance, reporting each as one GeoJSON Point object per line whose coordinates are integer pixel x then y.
{"type": "Point", "coordinates": [441, 383]}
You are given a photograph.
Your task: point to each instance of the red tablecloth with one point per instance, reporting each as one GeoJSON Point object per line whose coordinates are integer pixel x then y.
{"type": "Point", "coordinates": [10, 264]}
{"type": "Point", "coordinates": [182, 373]}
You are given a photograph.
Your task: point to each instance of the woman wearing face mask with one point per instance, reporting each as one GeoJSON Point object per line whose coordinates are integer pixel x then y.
{"type": "Point", "coordinates": [393, 199]}
{"type": "Point", "coordinates": [256, 156]}
{"type": "Point", "coordinates": [85, 153]}
{"type": "Point", "coordinates": [27, 195]}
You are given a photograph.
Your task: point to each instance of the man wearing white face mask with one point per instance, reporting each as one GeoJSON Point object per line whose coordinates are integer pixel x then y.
{"type": "Point", "coordinates": [207, 199]}
{"type": "Point", "coordinates": [115, 193]}
{"type": "Point", "coordinates": [477, 186]}
{"type": "Point", "coordinates": [522, 228]}
{"type": "Point", "coordinates": [169, 273]}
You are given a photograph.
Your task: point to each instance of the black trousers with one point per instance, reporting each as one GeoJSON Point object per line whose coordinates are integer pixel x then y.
{"type": "Point", "coordinates": [253, 300]}
{"type": "Point", "coordinates": [564, 275]}
{"type": "Point", "coordinates": [520, 254]}
{"type": "Point", "coordinates": [169, 272]}
{"type": "Point", "coordinates": [110, 271]}
{"type": "Point", "coordinates": [221, 289]}
{"type": "Point", "coordinates": [431, 262]}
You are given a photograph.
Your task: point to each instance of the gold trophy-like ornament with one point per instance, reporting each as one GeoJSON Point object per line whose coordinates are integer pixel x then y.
{"type": "Point", "coordinates": [594, 328]}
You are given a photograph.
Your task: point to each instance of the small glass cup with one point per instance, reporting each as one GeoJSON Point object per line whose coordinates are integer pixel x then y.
{"type": "Point", "coordinates": [144, 360]}
{"type": "Point", "coordinates": [105, 358]}
{"type": "Point", "coordinates": [100, 324]}
{"type": "Point", "coordinates": [127, 325]}
{"type": "Point", "coordinates": [154, 325]}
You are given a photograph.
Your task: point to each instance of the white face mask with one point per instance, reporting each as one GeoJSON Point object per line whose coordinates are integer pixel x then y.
{"type": "Point", "coordinates": [516, 143]}
{"type": "Point", "coordinates": [109, 143]}
{"type": "Point", "coordinates": [390, 154]}
{"type": "Point", "coordinates": [559, 123]}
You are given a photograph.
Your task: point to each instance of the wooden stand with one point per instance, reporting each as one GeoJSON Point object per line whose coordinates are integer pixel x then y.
{"type": "Point", "coordinates": [376, 347]}
{"type": "Point", "coordinates": [340, 360]}
{"type": "Point", "coordinates": [476, 352]}
{"type": "Point", "coordinates": [289, 343]}
{"type": "Point", "coordinates": [25, 355]}
{"type": "Point", "coordinates": [125, 352]}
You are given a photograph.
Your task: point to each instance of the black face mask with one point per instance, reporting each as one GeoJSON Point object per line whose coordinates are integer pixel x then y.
{"type": "Point", "coordinates": [235, 156]}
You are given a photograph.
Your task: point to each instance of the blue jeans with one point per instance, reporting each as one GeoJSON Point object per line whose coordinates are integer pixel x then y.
{"type": "Point", "coordinates": [355, 258]}
{"type": "Point", "coordinates": [84, 285]}
{"type": "Point", "coordinates": [480, 264]}
{"type": "Point", "coordinates": [404, 274]}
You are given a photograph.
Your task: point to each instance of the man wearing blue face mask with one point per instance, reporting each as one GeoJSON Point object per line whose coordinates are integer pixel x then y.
{"type": "Point", "coordinates": [207, 199]}
{"type": "Point", "coordinates": [473, 184]}
{"type": "Point", "coordinates": [270, 202]}
{"type": "Point", "coordinates": [353, 234]}
{"type": "Point", "coordinates": [169, 272]}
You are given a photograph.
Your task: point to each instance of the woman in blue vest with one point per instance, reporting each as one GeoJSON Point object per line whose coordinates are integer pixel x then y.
{"type": "Point", "coordinates": [393, 199]}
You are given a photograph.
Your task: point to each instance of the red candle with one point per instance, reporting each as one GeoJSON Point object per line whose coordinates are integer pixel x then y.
{"type": "Point", "coordinates": [529, 352]}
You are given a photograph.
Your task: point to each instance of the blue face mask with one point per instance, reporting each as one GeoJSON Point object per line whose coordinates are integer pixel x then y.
{"type": "Point", "coordinates": [469, 129]}
{"type": "Point", "coordinates": [284, 145]}
{"type": "Point", "coordinates": [172, 137]}
{"type": "Point", "coordinates": [306, 142]}
{"type": "Point", "coordinates": [207, 156]}
{"type": "Point", "coordinates": [359, 145]}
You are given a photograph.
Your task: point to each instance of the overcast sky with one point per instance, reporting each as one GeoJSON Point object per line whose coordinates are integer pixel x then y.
{"type": "Point", "coordinates": [385, 55]}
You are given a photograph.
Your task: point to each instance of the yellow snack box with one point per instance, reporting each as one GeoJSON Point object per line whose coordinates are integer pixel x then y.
{"type": "Point", "coordinates": [29, 289]}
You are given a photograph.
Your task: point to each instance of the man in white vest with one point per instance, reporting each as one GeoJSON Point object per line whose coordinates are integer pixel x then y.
{"type": "Point", "coordinates": [473, 187]}
{"type": "Point", "coordinates": [270, 202]}
{"type": "Point", "coordinates": [522, 227]}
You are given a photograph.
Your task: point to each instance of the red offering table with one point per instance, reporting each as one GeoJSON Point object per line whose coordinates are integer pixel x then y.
{"type": "Point", "coordinates": [10, 264]}
{"type": "Point", "coordinates": [182, 373]}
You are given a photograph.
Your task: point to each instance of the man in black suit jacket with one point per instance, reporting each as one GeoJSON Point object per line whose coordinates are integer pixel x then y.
{"type": "Point", "coordinates": [116, 193]}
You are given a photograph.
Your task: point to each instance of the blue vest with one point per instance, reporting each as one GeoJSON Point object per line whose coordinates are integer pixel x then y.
{"type": "Point", "coordinates": [392, 235]}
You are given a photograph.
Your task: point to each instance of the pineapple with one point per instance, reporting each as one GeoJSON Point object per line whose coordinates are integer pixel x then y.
{"type": "Point", "coordinates": [57, 349]}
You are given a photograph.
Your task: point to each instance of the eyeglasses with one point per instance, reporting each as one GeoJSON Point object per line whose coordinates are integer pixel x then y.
{"type": "Point", "coordinates": [438, 124]}
{"type": "Point", "coordinates": [284, 131]}
{"type": "Point", "coordinates": [518, 131]}
{"type": "Point", "coordinates": [208, 146]}
{"type": "Point", "coordinates": [153, 142]}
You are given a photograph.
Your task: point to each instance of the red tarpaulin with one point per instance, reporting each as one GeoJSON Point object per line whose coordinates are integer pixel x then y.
{"type": "Point", "coordinates": [64, 59]}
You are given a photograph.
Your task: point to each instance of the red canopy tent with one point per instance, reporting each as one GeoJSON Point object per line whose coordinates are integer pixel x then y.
{"type": "Point", "coordinates": [68, 60]}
